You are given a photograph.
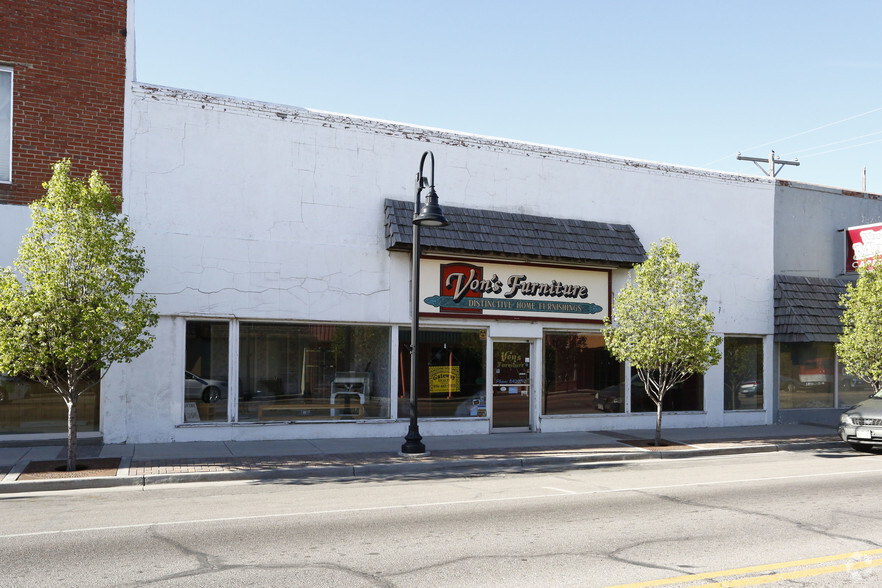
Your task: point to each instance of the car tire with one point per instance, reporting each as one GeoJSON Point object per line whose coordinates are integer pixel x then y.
{"type": "Point", "coordinates": [210, 395]}
{"type": "Point", "coordinates": [862, 447]}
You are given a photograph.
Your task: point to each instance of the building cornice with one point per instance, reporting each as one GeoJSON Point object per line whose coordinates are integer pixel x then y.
{"type": "Point", "coordinates": [428, 135]}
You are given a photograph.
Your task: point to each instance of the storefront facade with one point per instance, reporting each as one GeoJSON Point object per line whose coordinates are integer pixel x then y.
{"type": "Point", "coordinates": [278, 245]}
{"type": "Point", "coordinates": [811, 276]}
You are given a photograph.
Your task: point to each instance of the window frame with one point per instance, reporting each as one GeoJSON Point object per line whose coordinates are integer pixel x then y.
{"type": "Point", "coordinates": [761, 396]}
{"type": "Point", "coordinates": [622, 398]}
{"type": "Point", "coordinates": [233, 372]}
{"type": "Point", "coordinates": [7, 141]}
{"type": "Point", "coordinates": [401, 396]}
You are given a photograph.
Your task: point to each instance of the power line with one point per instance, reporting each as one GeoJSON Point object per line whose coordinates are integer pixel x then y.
{"type": "Point", "coordinates": [796, 135]}
{"type": "Point", "coordinates": [802, 151]}
{"type": "Point", "coordinates": [843, 148]}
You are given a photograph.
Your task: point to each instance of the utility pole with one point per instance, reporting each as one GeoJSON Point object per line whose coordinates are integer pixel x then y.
{"type": "Point", "coordinates": [772, 172]}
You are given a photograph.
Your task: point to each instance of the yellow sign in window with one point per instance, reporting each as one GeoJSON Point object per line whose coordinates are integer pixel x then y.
{"type": "Point", "coordinates": [444, 379]}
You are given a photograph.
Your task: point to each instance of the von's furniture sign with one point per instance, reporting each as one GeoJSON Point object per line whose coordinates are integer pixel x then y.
{"type": "Point", "coordinates": [538, 292]}
{"type": "Point", "coordinates": [862, 244]}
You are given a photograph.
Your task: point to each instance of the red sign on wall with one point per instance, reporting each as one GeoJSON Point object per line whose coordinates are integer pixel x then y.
{"type": "Point", "coordinates": [452, 277]}
{"type": "Point", "coordinates": [862, 244]}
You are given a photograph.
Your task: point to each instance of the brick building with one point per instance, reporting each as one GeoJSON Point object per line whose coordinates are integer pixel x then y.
{"type": "Point", "coordinates": [62, 91]}
{"type": "Point", "coordinates": [63, 82]}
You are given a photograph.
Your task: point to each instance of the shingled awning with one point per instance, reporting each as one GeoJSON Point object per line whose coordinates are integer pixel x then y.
{"type": "Point", "coordinates": [522, 236]}
{"type": "Point", "coordinates": [807, 309]}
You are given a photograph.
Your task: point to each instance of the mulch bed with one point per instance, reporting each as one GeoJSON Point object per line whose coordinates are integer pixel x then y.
{"type": "Point", "coordinates": [55, 469]}
{"type": "Point", "coordinates": [650, 445]}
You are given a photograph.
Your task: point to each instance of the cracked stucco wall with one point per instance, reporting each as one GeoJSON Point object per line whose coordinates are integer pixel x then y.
{"type": "Point", "coordinates": [269, 212]}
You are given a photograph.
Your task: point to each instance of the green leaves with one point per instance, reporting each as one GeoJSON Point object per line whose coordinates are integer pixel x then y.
{"type": "Point", "coordinates": [660, 322]}
{"type": "Point", "coordinates": [860, 345]}
{"type": "Point", "coordinates": [72, 307]}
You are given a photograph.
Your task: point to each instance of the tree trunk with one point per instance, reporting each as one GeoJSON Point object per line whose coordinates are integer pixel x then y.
{"type": "Point", "coordinates": [72, 435]}
{"type": "Point", "coordinates": [658, 417]}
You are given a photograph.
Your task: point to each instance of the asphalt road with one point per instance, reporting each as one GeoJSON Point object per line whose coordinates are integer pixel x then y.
{"type": "Point", "coordinates": [743, 519]}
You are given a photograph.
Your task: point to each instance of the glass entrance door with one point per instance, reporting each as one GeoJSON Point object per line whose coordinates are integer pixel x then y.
{"type": "Point", "coordinates": [511, 385]}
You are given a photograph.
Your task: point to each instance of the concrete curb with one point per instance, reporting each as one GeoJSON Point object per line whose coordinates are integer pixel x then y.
{"type": "Point", "coordinates": [468, 466]}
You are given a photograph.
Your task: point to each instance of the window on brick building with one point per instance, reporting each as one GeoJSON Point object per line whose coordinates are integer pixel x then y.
{"type": "Point", "coordinates": [5, 124]}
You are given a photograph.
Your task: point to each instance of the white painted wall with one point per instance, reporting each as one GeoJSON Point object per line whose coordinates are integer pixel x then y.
{"type": "Point", "coordinates": [262, 211]}
{"type": "Point", "coordinates": [809, 220]}
{"type": "Point", "coordinates": [14, 223]}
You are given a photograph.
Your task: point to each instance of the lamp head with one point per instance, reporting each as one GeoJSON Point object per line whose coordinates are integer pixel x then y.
{"type": "Point", "coordinates": [430, 214]}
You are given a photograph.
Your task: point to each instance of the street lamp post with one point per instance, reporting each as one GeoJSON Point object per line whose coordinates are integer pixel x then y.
{"type": "Point", "coordinates": [429, 215]}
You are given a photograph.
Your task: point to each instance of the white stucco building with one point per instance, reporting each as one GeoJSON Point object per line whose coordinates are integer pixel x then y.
{"type": "Point", "coordinates": [266, 230]}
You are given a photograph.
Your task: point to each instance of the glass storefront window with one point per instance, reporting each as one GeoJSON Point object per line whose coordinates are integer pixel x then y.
{"type": "Point", "coordinates": [743, 376]}
{"type": "Point", "coordinates": [313, 372]}
{"type": "Point", "coordinates": [685, 396]}
{"type": "Point", "coordinates": [28, 407]}
{"type": "Point", "coordinates": [852, 389]}
{"type": "Point", "coordinates": [806, 375]}
{"type": "Point", "coordinates": [206, 371]}
{"type": "Point", "coordinates": [581, 377]}
{"type": "Point", "coordinates": [451, 381]}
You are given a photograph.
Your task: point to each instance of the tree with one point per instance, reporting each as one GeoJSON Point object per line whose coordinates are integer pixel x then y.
{"type": "Point", "coordinates": [72, 311]}
{"type": "Point", "coordinates": [859, 348]}
{"type": "Point", "coordinates": [661, 325]}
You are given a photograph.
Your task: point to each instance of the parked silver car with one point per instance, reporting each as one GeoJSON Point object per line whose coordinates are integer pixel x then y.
{"type": "Point", "coordinates": [861, 425]}
{"type": "Point", "coordinates": [196, 388]}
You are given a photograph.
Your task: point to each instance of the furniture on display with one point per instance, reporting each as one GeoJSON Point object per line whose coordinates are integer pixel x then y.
{"type": "Point", "coordinates": [307, 411]}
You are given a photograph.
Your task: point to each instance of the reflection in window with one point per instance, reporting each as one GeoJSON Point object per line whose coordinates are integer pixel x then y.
{"type": "Point", "coordinates": [852, 389]}
{"type": "Point", "coordinates": [806, 374]}
{"type": "Point", "coordinates": [451, 380]}
{"type": "Point", "coordinates": [5, 125]}
{"type": "Point", "coordinates": [580, 375]}
{"type": "Point", "coordinates": [206, 371]}
{"type": "Point", "coordinates": [743, 380]}
{"type": "Point", "coordinates": [685, 396]}
{"type": "Point", "coordinates": [28, 407]}
{"type": "Point", "coordinates": [313, 372]}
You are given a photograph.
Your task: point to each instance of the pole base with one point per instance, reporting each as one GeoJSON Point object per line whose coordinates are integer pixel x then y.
{"type": "Point", "coordinates": [414, 455]}
{"type": "Point", "coordinates": [413, 442]}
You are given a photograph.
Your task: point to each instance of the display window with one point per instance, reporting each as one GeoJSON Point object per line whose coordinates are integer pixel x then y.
{"type": "Point", "coordinates": [743, 373]}
{"type": "Point", "coordinates": [806, 375]}
{"type": "Point", "coordinates": [580, 375]}
{"type": "Point", "coordinates": [852, 389]}
{"type": "Point", "coordinates": [313, 372]}
{"type": "Point", "coordinates": [686, 396]}
{"type": "Point", "coordinates": [28, 407]}
{"type": "Point", "coordinates": [452, 371]}
{"type": "Point", "coordinates": [206, 371]}
{"type": "Point", "coordinates": [287, 372]}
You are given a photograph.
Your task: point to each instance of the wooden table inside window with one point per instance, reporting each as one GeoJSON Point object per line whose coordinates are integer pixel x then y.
{"type": "Point", "coordinates": [353, 410]}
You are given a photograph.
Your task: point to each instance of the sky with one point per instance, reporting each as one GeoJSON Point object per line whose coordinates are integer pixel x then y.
{"type": "Point", "coordinates": [686, 82]}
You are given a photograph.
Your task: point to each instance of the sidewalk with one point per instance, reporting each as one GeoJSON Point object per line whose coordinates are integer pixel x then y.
{"type": "Point", "coordinates": [324, 459]}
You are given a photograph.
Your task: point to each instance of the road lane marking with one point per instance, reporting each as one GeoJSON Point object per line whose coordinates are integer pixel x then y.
{"type": "Point", "coordinates": [559, 490]}
{"type": "Point", "coordinates": [769, 578]}
{"type": "Point", "coordinates": [498, 499]}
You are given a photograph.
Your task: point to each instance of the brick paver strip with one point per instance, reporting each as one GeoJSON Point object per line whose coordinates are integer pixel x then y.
{"type": "Point", "coordinates": [225, 464]}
